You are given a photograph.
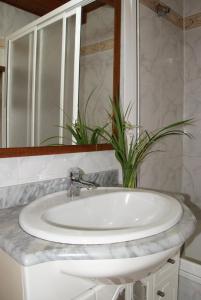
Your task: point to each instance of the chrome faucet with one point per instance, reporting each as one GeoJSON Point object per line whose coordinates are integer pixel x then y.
{"type": "Point", "coordinates": [76, 182]}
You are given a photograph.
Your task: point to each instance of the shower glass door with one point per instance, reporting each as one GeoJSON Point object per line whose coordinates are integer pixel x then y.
{"type": "Point", "coordinates": [48, 79]}
{"type": "Point", "coordinates": [19, 108]}
{"type": "Point", "coordinates": [46, 62]}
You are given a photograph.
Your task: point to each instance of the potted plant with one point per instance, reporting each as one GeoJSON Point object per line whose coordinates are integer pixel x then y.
{"type": "Point", "coordinates": [131, 152]}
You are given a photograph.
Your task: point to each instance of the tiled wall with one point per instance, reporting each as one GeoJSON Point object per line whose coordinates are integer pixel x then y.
{"type": "Point", "coordinates": [38, 168]}
{"type": "Point", "coordinates": [161, 95]}
{"type": "Point", "coordinates": [11, 19]}
{"type": "Point", "coordinates": [192, 106]}
{"type": "Point", "coordinates": [176, 5]}
{"type": "Point", "coordinates": [170, 89]}
{"type": "Point", "coordinates": [96, 69]}
{"type": "Point", "coordinates": [191, 7]}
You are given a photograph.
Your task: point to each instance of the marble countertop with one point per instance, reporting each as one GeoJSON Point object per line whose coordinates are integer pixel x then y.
{"type": "Point", "coordinates": [28, 250]}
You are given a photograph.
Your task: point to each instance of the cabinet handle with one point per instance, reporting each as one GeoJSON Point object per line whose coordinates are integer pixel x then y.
{"type": "Point", "coordinates": [161, 294]}
{"type": "Point", "coordinates": [171, 261]}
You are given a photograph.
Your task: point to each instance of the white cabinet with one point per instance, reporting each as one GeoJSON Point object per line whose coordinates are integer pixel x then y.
{"type": "Point", "coordinates": [163, 285]}
{"type": "Point", "coordinates": [47, 281]}
{"type": "Point", "coordinates": [166, 290]}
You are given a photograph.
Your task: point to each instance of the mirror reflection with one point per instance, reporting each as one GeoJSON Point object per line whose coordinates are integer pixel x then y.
{"type": "Point", "coordinates": [60, 74]}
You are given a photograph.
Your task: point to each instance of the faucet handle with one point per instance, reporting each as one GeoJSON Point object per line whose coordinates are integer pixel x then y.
{"type": "Point", "coordinates": [76, 173]}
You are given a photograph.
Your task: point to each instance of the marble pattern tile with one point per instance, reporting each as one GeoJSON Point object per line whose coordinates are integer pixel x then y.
{"type": "Point", "coordinates": [191, 7]}
{"type": "Point", "coordinates": [96, 75]}
{"type": "Point", "coordinates": [22, 194]}
{"type": "Point", "coordinates": [2, 43]}
{"type": "Point", "coordinates": [46, 167]}
{"type": "Point", "coordinates": [170, 89]}
{"type": "Point", "coordinates": [99, 26]}
{"type": "Point", "coordinates": [193, 21]}
{"type": "Point", "coordinates": [177, 5]}
{"type": "Point", "coordinates": [96, 69]}
{"type": "Point", "coordinates": [192, 109]}
{"type": "Point", "coordinates": [28, 250]}
{"type": "Point", "coordinates": [12, 19]}
{"type": "Point", "coordinates": [183, 15]}
{"type": "Point", "coordinates": [97, 47]}
{"type": "Point", "coordinates": [173, 16]}
{"type": "Point", "coordinates": [161, 97]}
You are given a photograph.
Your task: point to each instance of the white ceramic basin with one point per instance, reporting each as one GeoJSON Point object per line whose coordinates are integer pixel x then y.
{"type": "Point", "coordinates": [101, 216]}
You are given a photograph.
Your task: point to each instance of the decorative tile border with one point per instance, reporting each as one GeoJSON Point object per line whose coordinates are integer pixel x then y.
{"type": "Point", "coordinates": [172, 16]}
{"type": "Point", "coordinates": [185, 23]}
{"type": "Point", "coordinates": [193, 21]}
{"type": "Point", "coordinates": [97, 47]}
{"type": "Point", "coordinates": [86, 50]}
{"type": "Point", "coordinates": [2, 43]}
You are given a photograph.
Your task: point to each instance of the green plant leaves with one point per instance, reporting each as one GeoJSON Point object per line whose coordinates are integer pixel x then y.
{"type": "Point", "coordinates": [131, 154]}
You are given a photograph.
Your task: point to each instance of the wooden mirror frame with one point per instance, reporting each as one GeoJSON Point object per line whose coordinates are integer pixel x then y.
{"type": "Point", "coordinates": [51, 150]}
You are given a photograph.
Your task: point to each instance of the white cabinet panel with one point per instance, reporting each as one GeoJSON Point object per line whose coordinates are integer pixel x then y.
{"type": "Point", "coordinates": [166, 290]}
{"type": "Point", "coordinates": [48, 281]}
{"type": "Point", "coordinates": [10, 279]}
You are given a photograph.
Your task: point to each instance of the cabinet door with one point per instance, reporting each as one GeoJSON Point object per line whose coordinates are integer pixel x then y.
{"type": "Point", "coordinates": [10, 278]}
{"type": "Point", "coordinates": [163, 284]}
{"type": "Point", "coordinates": [166, 290]}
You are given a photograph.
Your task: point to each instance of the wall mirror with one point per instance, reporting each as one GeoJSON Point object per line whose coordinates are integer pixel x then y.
{"type": "Point", "coordinates": [63, 65]}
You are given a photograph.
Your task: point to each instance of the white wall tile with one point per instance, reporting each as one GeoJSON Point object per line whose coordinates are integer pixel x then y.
{"type": "Point", "coordinates": [12, 18]}
{"type": "Point", "coordinates": [176, 5]}
{"type": "Point", "coordinates": [38, 168]}
{"type": "Point", "coordinates": [191, 7]}
{"type": "Point", "coordinates": [161, 97]}
{"type": "Point", "coordinates": [192, 109]}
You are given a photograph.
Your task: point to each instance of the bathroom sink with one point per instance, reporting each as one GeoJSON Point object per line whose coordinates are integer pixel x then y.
{"type": "Point", "coordinates": [101, 216]}
{"type": "Point", "coordinates": [104, 216]}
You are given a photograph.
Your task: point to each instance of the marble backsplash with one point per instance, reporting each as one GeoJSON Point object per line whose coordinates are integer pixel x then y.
{"type": "Point", "coordinates": [22, 194]}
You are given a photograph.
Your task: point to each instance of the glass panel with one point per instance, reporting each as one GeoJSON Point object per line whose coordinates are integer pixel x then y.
{"type": "Point", "coordinates": [69, 77]}
{"type": "Point", "coordinates": [48, 78]}
{"type": "Point", "coordinates": [20, 107]}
